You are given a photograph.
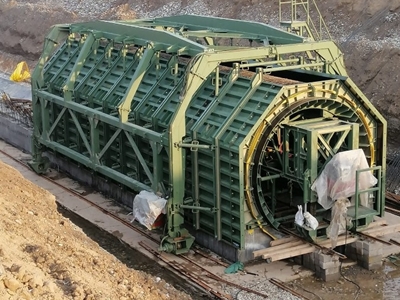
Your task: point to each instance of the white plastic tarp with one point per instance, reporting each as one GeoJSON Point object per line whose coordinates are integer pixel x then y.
{"type": "Point", "coordinates": [339, 220]}
{"type": "Point", "coordinates": [338, 179]}
{"type": "Point", "coordinates": [147, 206]}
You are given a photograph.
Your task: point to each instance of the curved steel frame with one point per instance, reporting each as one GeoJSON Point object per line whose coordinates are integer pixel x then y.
{"type": "Point", "coordinates": [289, 104]}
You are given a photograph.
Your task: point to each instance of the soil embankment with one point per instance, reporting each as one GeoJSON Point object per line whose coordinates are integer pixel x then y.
{"type": "Point", "coordinates": [43, 255]}
{"type": "Point", "coordinates": [366, 30]}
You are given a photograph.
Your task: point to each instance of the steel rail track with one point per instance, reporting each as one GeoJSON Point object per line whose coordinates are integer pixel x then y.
{"type": "Point", "coordinates": [393, 211]}
{"type": "Point", "coordinates": [179, 268]}
{"type": "Point", "coordinates": [128, 224]}
{"type": "Point", "coordinates": [219, 279]}
{"type": "Point", "coordinates": [283, 286]}
{"type": "Point", "coordinates": [373, 238]}
{"type": "Point", "coordinates": [173, 264]}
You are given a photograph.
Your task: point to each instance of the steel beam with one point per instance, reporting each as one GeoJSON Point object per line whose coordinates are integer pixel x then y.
{"type": "Point", "coordinates": [103, 117]}
{"type": "Point", "coordinates": [62, 67]}
{"type": "Point", "coordinates": [193, 22]}
{"type": "Point", "coordinates": [80, 158]}
{"type": "Point", "coordinates": [94, 140]}
{"type": "Point", "coordinates": [55, 123]}
{"type": "Point", "coordinates": [80, 61]}
{"type": "Point", "coordinates": [141, 160]}
{"type": "Point", "coordinates": [94, 68]}
{"type": "Point", "coordinates": [158, 185]}
{"type": "Point", "coordinates": [211, 34]}
{"type": "Point", "coordinates": [154, 88]}
{"type": "Point", "coordinates": [106, 97]}
{"type": "Point", "coordinates": [255, 82]}
{"type": "Point", "coordinates": [57, 33]}
{"type": "Point", "coordinates": [109, 143]}
{"type": "Point", "coordinates": [81, 133]}
{"type": "Point", "coordinates": [124, 107]}
{"type": "Point", "coordinates": [200, 69]}
{"type": "Point", "coordinates": [130, 33]}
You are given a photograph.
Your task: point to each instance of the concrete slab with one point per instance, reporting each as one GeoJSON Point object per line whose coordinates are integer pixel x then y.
{"type": "Point", "coordinates": [391, 219]}
{"type": "Point", "coordinates": [15, 134]}
{"type": "Point", "coordinates": [21, 90]}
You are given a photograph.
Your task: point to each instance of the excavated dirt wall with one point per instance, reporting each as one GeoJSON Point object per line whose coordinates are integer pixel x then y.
{"type": "Point", "coordinates": [43, 255]}
{"type": "Point", "coordinates": [366, 30]}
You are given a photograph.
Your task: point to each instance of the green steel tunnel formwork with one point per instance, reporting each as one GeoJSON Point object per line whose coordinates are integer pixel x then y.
{"type": "Point", "coordinates": [230, 120]}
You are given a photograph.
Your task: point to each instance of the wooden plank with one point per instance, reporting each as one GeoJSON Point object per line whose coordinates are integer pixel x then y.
{"type": "Point", "coordinates": [380, 231]}
{"type": "Point", "coordinates": [377, 223]}
{"type": "Point", "coordinates": [285, 247]}
{"type": "Point", "coordinates": [287, 250]}
{"type": "Point", "coordinates": [340, 241]}
{"type": "Point", "coordinates": [282, 241]}
{"type": "Point", "coordinates": [281, 247]}
{"type": "Point", "coordinates": [295, 252]}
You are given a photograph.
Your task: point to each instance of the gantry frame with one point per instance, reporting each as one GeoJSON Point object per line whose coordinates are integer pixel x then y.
{"type": "Point", "coordinates": [61, 97]}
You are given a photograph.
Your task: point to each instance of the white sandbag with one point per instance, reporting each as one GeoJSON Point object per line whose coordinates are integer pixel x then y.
{"type": "Point", "coordinates": [310, 221]}
{"type": "Point", "coordinates": [299, 218]}
{"type": "Point", "coordinates": [147, 206]}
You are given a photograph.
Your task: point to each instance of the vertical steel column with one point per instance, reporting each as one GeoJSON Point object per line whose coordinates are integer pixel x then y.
{"type": "Point", "coordinates": [353, 136]}
{"type": "Point", "coordinates": [94, 141]}
{"type": "Point", "coordinates": [45, 118]}
{"type": "Point", "coordinates": [312, 154]}
{"type": "Point", "coordinates": [195, 180]}
{"type": "Point", "coordinates": [255, 83]}
{"type": "Point", "coordinates": [157, 184]}
{"type": "Point", "coordinates": [179, 239]}
{"type": "Point", "coordinates": [39, 163]}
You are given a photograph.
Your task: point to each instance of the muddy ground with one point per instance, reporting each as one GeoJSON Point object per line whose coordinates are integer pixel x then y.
{"type": "Point", "coordinates": [366, 30]}
{"type": "Point", "coordinates": [355, 283]}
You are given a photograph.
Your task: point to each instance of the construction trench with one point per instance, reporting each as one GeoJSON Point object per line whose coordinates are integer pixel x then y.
{"type": "Point", "coordinates": [232, 137]}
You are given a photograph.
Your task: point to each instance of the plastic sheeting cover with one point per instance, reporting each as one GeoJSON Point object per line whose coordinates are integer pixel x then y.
{"type": "Point", "coordinates": [147, 206]}
{"type": "Point", "coordinates": [21, 72]}
{"type": "Point", "coordinates": [339, 220]}
{"type": "Point", "coordinates": [338, 179]}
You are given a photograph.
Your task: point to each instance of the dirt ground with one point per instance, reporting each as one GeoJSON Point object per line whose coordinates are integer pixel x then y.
{"type": "Point", "coordinates": [43, 255]}
{"type": "Point", "coordinates": [43, 261]}
{"type": "Point", "coordinates": [355, 283]}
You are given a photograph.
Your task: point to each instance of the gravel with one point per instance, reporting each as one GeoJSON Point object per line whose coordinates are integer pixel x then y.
{"type": "Point", "coordinates": [197, 7]}
{"type": "Point", "coordinates": [263, 286]}
{"type": "Point", "coordinates": [355, 36]}
{"type": "Point", "coordinates": [93, 9]}
{"type": "Point", "coordinates": [255, 10]}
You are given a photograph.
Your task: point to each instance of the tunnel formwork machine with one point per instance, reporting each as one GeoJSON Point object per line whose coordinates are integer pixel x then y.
{"type": "Point", "coordinates": [231, 121]}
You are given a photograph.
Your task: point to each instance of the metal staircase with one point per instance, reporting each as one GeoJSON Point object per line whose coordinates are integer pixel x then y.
{"type": "Point", "coordinates": [304, 19]}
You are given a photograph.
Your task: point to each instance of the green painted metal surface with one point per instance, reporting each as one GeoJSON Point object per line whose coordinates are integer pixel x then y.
{"type": "Point", "coordinates": [171, 105]}
{"type": "Point", "coordinates": [203, 26]}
